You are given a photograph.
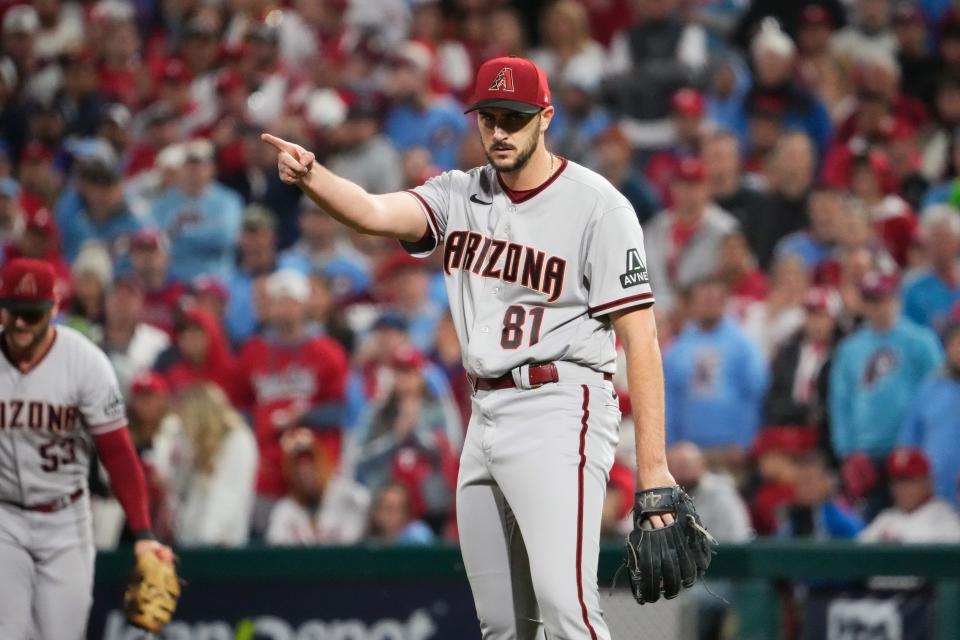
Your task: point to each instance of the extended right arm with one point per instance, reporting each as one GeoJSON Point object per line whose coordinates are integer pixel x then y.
{"type": "Point", "coordinates": [397, 215]}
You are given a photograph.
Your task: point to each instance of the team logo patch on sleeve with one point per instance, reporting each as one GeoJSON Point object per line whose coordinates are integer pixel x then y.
{"type": "Point", "coordinates": [636, 272]}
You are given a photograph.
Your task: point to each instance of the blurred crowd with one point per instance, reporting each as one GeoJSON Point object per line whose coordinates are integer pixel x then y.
{"type": "Point", "coordinates": [794, 165]}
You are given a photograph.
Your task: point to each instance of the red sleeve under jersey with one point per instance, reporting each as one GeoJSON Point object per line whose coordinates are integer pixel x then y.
{"type": "Point", "coordinates": [126, 476]}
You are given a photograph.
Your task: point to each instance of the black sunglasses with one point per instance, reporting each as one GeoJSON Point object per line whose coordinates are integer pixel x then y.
{"type": "Point", "coordinates": [30, 316]}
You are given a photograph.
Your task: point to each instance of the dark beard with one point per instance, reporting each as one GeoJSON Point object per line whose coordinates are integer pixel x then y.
{"type": "Point", "coordinates": [522, 158]}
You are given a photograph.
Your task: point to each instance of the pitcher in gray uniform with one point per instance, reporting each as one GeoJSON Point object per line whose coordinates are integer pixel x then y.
{"type": "Point", "coordinates": [544, 263]}
{"type": "Point", "coordinates": [59, 399]}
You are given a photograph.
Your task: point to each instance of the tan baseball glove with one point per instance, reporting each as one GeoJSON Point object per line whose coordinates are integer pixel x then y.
{"type": "Point", "coordinates": [152, 594]}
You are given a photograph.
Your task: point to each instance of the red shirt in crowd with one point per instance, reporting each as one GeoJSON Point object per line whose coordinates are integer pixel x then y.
{"type": "Point", "coordinates": [289, 386]}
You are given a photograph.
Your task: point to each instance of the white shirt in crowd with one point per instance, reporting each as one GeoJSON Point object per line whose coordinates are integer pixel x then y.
{"type": "Point", "coordinates": [936, 521]}
{"type": "Point", "coordinates": [340, 519]}
{"type": "Point", "coordinates": [215, 508]}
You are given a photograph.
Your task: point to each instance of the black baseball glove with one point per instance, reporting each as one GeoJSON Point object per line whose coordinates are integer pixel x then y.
{"type": "Point", "coordinates": [661, 561]}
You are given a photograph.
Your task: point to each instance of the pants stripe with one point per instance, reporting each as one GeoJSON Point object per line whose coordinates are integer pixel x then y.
{"type": "Point", "coordinates": [583, 463]}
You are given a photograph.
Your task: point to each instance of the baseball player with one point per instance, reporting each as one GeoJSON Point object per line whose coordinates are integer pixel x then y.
{"type": "Point", "coordinates": [544, 262]}
{"type": "Point", "coordinates": [59, 398]}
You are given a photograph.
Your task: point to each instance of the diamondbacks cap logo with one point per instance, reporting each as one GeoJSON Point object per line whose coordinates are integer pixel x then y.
{"type": "Point", "coordinates": [503, 81]}
{"type": "Point", "coordinates": [636, 272]}
{"type": "Point", "coordinates": [27, 287]}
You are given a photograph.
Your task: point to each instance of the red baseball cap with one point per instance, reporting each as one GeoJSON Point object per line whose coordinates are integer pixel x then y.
{"type": "Point", "coordinates": [688, 102]}
{"type": "Point", "coordinates": [408, 359]}
{"type": "Point", "coordinates": [148, 239]}
{"type": "Point", "coordinates": [691, 169]}
{"type": "Point", "coordinates": [877, 286]}
{"type": "Point", "coordinates": [814, 14]}
{"type": "Point", "coordinates": [149, 382]}
{"type": "Point", "coordinates": [510, 83]}
{"type": "Point", "coordinates": [907, 463]}
{"type": "Point", "coordinates": [822, 300]}
{"type": "Point", "coordinates": [27, 285]}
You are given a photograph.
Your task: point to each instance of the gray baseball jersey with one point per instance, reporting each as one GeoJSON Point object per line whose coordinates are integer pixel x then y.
{"type": "Point", "coordinates": [47, 417]}
{"type": "Point", "coordinates": [531, 277]}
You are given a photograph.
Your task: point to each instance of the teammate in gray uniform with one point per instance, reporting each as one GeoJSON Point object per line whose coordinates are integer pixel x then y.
{"type": "Point", "coordinates": [59, 398]}
{"type": "Point", "coordinates": [544, 262]}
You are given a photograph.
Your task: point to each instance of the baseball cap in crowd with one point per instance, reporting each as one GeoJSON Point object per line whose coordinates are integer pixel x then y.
{"type": "Point", "coordinates": [510, 83]}
{"type": "Point", "coordinates": [149, 382]}
{"type": "Point", "coordinates": [148, 239]}
{"type": "Point", "coordinates": [408, 358]}
{"type": "Point", "coordinates": [117, 114]}
{"type": "Point", "coordinates": [822, 300]}
{"type": "Point", "coordinates": [256, 217]}
{"type": "Point", "coordinates": [208, 285]}
{"type": "Point", "coordinates": [97, 172]}
{"type": "Point", "coordinates": [41, 223]}
{"type": "Point", "coordinates": [877, 286]}
{"type": "Point", "coordinates": [199, 150]}
{"type": "Point", "coordinates": [21, 19]}
{"type": "Point", "coordinates": [27, 285]}
{"type": "Point", "coordinates": [691, 170]}
{"type": "Point", "coordinates": [390, 320]}
{"type": "Point", "coordinates": [907, 462]}
{"type": "Point", "coordinates": [397, 262]}
{"type": "Point", "coordinates": [688, 102]}
{"type": "Point", "coordinates": [36, 152]}
{"type": "Point", "coordinates": [288, 283]}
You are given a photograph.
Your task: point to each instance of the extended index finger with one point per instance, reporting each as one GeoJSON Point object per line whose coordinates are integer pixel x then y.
{"type": "Point", "coordinates": [278, 143]}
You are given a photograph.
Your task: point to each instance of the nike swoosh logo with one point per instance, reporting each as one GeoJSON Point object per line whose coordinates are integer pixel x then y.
{"type": "Point", "coordinates": [474, 198]}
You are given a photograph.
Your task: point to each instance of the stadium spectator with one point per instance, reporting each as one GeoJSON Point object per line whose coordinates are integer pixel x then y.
{"type": "Point", "coordinates": [815, 511]}
{"type": "Point", "coordinates": [323, 247]}
{"type": "Point", "coordinates": [723, 513]}
{"type": "Point", "coordinates": [90, 275]}
{"type": "Point", "coordinates": [131, 344]}
{"type": "Point", "coordinates": [933, 420]}
{"type": "Point", "coordinates": [875, 374]}
{"type": "Point", "coordinates": [731, 190]}
{"type": "Point", "coordinates": [918, 66]}
{"type": "Point", "coordinates": [578, 118]}
{"type": "Point", "coordinates": [201, 217]}
{"type": "Point", "coordinates": [403, 283]}
{"type": "Point", "coordinates": [815, 244]}
{"type": "Point", "coordinates": [917, 515]}
{"type": "Point", "coordinates": [939, 150]}
{"type": "Point", "coordinates": [817, 65]}
{"type": "Point", "coordinates": [771, 489]}
{"type": "Point", "coordinates": [773, 55]}
{"type": "Point", "coordinates": [199, 354]}
{"type": "Point", "coordinates": [771, 321]}
{"type": "Point", "coordinates": [39, 240]}
{"type": "Point", "coordinates": [687, 129]}
{"type": "Point", "coordinates": [870, 28]}
{"type": "Point", "coordinates": [150, 263]}
{"type": "Point", "coordinates": [791, 174]}
{"type": "Point", "coordinates": [289, 378]}
{"type": "Point", "coordinates": [929, 297]}
{"type": "Point", "coordinates": [715, 379]}
{"type": "Point", "coordinates": [256, 257]}
{"type": "Point", "coordinates": [614, 158]}
{"type": "Point", "coordinates": [683, 242]}
{"type": "Point", "coordinates": [100, 214]}
{"type": "Point", "coordinates": [363, 155]}
{"type": "Point", "coordinates": [213, 480]}
{"type": "Point", "coordinates": [408, 438]}
{"type": "Point", "coordinates": [322, 505]}
{"type": "Point", "coordinates": [654, 57]}
{"type": "Point", "coordinates": [392, 520]}
{"type": "Point", "coordinates": [745, 281]}
{"type": "Point", "coordinates": [872, 182]}
{"type": "Point", "coordinates": [420, 117]}
{"type": "Point", "coordinates": [800, 369]}
{"type": "Point", "coordinates": [567, 42]}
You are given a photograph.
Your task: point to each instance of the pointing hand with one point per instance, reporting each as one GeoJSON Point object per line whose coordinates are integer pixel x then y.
{"type": "Point", "coordinates": [293, 161]}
